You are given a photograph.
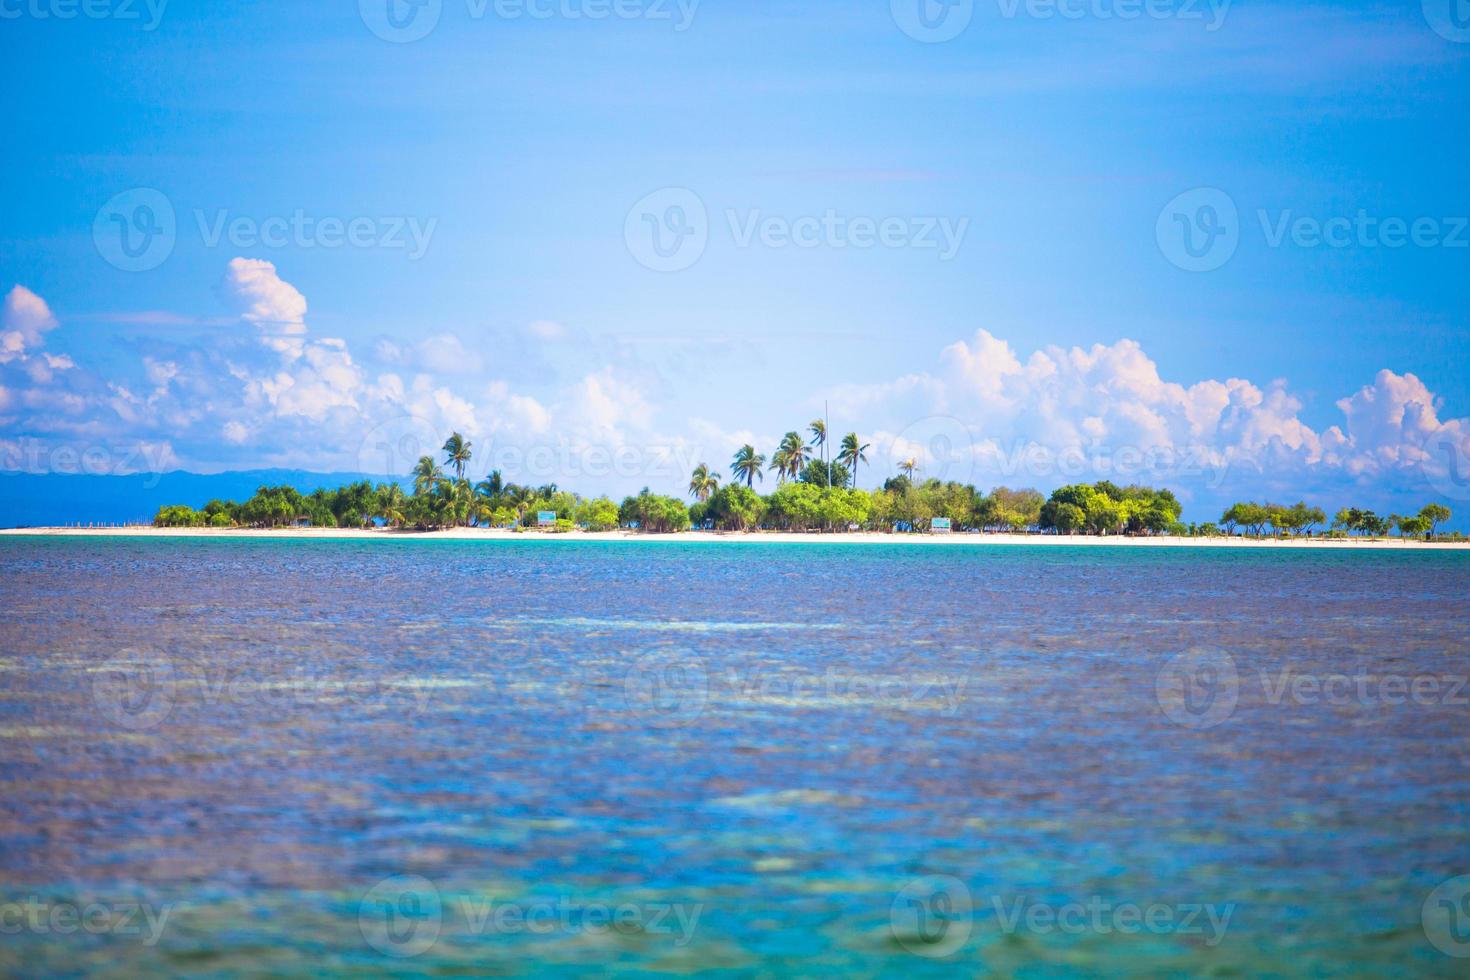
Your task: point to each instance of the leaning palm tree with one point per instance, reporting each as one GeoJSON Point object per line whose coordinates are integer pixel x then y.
{"type": "Point", "coordinates": [747, 465]}
{"type": "Point", "coordinates": [852, 453]}
{"type": "Point", "coordinates": [426, 475]}
{"type": "Point", "coordinates": [795, 450]}
{"type": "Point", "coordinates": [457, 453]}
{"type": "Point", "coordinates": [702, 483]}
{"type": "Point", "coordinates": [780, 463]}
{"type": "Point", "coordinates": [908, 466]}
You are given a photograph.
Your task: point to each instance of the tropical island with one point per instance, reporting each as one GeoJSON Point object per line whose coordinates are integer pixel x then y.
{"type": "Point", "coordinates": [813, 492]}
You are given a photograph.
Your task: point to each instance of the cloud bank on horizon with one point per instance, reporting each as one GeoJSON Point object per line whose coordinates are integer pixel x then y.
{"type": "Point", "coordinates": [267, 390]}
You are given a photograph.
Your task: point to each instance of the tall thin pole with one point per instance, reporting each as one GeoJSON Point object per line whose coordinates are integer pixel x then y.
{"type": "Point", "coordinates": [826, 438]}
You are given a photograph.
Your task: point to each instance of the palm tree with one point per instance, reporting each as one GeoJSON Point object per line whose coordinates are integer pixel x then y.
{"type": "Point", "coordinates": [492, 486]}
{"type": "Point", "coordinates": [463, 501]}
{"type": "Point", "coordinates": [488, 495]}
{"type": "Point", "coordinates": [426, 475]}
{"type": "Point", "coordinates": [780, 462]}
{"type": "Point", "coordinates": [391, 504]}
{"type": "Point", "coordinates": [457, 453]}
{"type": "Point", "coordinates": [908, 466]}
{"type": "Point", "coordinates": [794, 451]}
{"type": "Point", "coordinates": [702, 483]}
{"type": "Point", "coordinates": [818, 429]}
{"type": "Point", "coordinates": [852, 453]}
{"type": "Point", "coordinates": [747, 465]}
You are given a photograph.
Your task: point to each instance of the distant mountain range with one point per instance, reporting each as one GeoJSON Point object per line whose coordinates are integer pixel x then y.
{"type": "Point", "coordinates": [48, 499]}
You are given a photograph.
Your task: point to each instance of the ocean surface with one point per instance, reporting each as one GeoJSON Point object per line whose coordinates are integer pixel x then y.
{"type": "Point", "coordinates": [236, 757]}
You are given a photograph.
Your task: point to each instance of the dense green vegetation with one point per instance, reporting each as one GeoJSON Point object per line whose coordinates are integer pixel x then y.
{"type": "Point", "coordinates": [814, 491]}
{"type": "Point", "coordinates": [1275, 520]}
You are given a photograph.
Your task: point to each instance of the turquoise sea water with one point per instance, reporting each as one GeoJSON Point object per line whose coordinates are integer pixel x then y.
{"type": "Point", "coordinates": [430, 757]}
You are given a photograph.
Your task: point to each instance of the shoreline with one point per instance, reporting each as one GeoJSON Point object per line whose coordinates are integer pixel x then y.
{"type": "Point", "coordinates": [741, 537]}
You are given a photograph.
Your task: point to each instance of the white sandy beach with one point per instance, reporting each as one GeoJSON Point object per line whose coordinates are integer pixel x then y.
{"type": "Point", "coordinates": [760, 537]}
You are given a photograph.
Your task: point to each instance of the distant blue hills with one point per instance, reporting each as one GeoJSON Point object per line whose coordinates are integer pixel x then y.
{"type": "Point", "coordinates": [49, 499]}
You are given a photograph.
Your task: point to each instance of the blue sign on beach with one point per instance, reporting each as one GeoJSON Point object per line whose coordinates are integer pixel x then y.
{"type": "Point", "coordinates": [940, 525]}
{"type": "Point", "coordinates": [546, 518]}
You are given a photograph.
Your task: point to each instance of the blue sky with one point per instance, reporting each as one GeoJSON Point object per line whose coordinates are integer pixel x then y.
{"type": "Point", "coordinates": [1049, 142]}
